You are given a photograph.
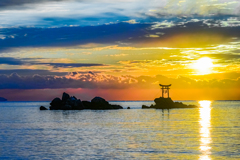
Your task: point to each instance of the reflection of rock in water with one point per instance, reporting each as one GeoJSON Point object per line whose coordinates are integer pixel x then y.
{"type": "Point", "coordinates": [167, 103]}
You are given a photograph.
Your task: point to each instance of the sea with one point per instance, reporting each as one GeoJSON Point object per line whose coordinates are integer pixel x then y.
{"type": "Point", "coordinates": [210, 132]}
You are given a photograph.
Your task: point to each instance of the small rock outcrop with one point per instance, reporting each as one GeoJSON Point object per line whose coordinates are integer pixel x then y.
{"type": "Point", "coordinates": [72, 103]}
{"type": "Point", "coordinates": [167, 103]}
{"type": "Point", "coordinates": [43, 108]}
{"type": "Point", "coordinates": [2, 99]}
{"type": "Point", "coordinates": [99, 103]}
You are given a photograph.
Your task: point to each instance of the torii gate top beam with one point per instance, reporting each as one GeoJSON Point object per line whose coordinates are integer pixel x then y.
{"type": "Point", "coordinates": [165, 85]}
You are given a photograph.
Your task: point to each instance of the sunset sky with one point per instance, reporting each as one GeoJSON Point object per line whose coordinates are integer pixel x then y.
{"type": "Point", "coordinates": [120, 50]}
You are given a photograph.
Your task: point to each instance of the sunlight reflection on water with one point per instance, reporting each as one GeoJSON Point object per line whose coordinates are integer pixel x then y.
{"type": "Point", "coordinates": [205, 126]}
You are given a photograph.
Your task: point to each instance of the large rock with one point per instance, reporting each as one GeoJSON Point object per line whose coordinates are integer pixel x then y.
{"type": "Point", "coordinates": [66, 107]}
{"type": "Point", "coordinates": [56, 104]}
{"type": "Point", "coordinates": [78, 105]}
{"type": "Point", "coordinates": [164, 103]}
{"type": "Point", "coordinates": [71, 101]}
{"type": "Point", "coordinates": [99, 103]}
{"type": "Point", "coordinates": [99, 100]}
{"type": "Point", "coordinates": [65, 97]}
{"type": "Point", "coordinates": [86, 104]}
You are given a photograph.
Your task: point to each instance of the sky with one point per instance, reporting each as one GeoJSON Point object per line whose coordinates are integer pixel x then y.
{"type": "Point", "coordinates": [119, 50]}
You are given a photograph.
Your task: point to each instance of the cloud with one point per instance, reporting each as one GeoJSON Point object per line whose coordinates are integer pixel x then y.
{"type": "Point", "coordinates": [192, 34]}
{"type": "Point", "coordinates": [33, 61]}
{"type": "Point", "coordinates": [223, 56]}
{"type": "Point", "coordinates": [99, 81]}
{"type": "Point", "coordinates": [68, 12]}
{"type": "Point", "coordinates": [31, 72]}
{"type": "Point", "coordinates": [70, 64]}
{"type": "Point", "coordinates": [58, 13]}
{"type": "Point", "coordinates": [236, 51]}
{"type": "Point", "coordinates": [10, 61]}
{"type": "Point", "coordinates": [8, 3]}
{"type": "Point", "coordinates": [70, 36]}
{"type": "Point", "coordinates": [73, 80]}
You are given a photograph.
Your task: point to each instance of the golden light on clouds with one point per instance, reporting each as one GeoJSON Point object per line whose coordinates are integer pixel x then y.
{"type": "Point", "coordinates": [203, 65]}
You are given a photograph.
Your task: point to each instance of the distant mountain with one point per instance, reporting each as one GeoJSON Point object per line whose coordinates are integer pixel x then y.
{"type": "Point", "coordinates": [3, 99]}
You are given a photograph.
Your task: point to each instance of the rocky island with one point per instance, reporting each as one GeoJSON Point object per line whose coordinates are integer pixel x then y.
{"type": "Point", "coordinates": [72, 103]}
{"type": "Point", "coordinates": [2, 99]}
{"type": "Point", "coordinates": [166, 103]}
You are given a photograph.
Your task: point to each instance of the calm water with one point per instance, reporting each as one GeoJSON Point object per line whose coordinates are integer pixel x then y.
{"type": "Point", "coordinates": [209, 132]}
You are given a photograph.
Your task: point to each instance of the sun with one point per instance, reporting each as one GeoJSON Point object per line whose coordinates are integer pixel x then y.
{"type": "Point", "coordinates": [203, 65]}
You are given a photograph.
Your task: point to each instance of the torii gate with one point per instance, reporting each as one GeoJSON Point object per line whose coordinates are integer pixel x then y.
{"type": "Point", "coordinates": [166, 88]}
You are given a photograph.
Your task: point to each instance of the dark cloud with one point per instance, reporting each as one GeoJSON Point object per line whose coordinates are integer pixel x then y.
{"type": "Point", "coordinates": [31, 72]}
{"type": "Point", "coordinates": [15, 81]}
{"type": "Point", "coordinates": [10, 61]}
{"type": "Point", "coordinates": [70, 64]}
{"type": "Point", "coordinates": [223, 56]}
{"type": "Point", "coordinates": [193, 33]}
{"type": "Point", "coordinates": [8, 3]}
{"type": "Point", "coordinates": [83, 21]}
{"type": "Point", "coordinates": [236, 51]}
{"type": "Point", "coordinates": [97, 81]}
{"type": "Point", "coordinates": [225, 75]}
{"type": "Point", "coordinates": [33, 61]}
{"type": "Point", "coordinates": [69, 36]}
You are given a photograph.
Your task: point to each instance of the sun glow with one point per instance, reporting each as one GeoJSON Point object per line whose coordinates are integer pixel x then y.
{"type": "Point", "coordinates": [203, 65]}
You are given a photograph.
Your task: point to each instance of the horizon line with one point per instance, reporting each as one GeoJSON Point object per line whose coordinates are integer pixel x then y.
{"type": "Point", "coordinates": [122, 100]}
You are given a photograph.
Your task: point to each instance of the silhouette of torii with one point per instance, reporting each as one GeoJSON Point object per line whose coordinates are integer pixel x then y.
{"type": "Point", "coordinates": [166, 88]}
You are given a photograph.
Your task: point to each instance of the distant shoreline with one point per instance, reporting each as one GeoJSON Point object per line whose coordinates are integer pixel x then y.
{"type": "Point", "coordinates": [2, 99]}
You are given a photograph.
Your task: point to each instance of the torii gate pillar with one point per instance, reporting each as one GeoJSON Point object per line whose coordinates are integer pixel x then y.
{"type": "Point", "coordinates": [165, 88]}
